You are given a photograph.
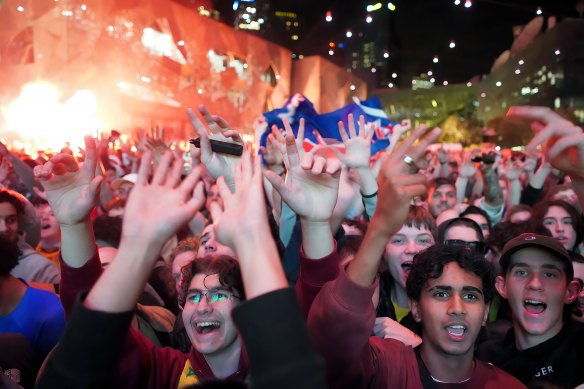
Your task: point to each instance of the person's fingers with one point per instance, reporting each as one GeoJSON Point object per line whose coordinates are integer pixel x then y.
{"type": "Point", "coordinates": [144, 169]}
{"type": "Point", "coordinates": [161, 172]}
{"type": "Point", "coordinates": [334, 167]}
{"type": "Point", "coordinates": [542, 114]}
{"type": "Point", "coordinates": [351, 123]}
{"type": "Point", "coordinates": [318, 165]}
{"type": "Point", "coordinates": [246, 166]}
{"type": "Point", "coordinates": [59, 169]}
{"type": "Point", "coordinates": [206, 152]}
{"type": "Point", "coordinates": [307, 160]}
{"type": "Point", "coordinates": [66, 161]}
{"type": "Point", "coordinates": [176, 170]}
{"type": "Point", "coordinates": [343, 132]}
{"type": "Point", "coordinates": [196, 122]}
{"type": "Point", "coordinates": [278, 184]}
{"type": "Point", "coordinates": [224, 191]}
{"type": "Point", "coordinates": [197, 199]}
{"type": "Point", "coordinates": [561, 146]}
{"type": "Point", "coordinates": [301, 130]}
{"type": "Point", "coordinates": [233, 135]}
{"type": "Point", "coordinates": [209, 120]}
{"type": "Point", "coordinates": [291, 149]}
{"type": "Point", "coordinates": [416, 134]}
{"type": "Point", "coordinates": [363, 131]}
{"type": "Point", "coordinates": [192, 179]}
{"type": "Point", "coordinates": [221, 122]}
{"type": "Point", "coordinates": [550, 131]}
{"type": "Point", "coordinates": [417, 151]}
{"type": "Point", "coordinates": [90, 155]}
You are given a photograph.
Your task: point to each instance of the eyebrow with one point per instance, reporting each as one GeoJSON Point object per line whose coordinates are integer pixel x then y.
{"type": "Point", "coordinates": [544, 266]}
{"type": "Point", "coordinates": [217, 289]}
{"type": "Point", "coordinates": [205, 235]}
{"type": "Point", "coordinates": [450, 288]}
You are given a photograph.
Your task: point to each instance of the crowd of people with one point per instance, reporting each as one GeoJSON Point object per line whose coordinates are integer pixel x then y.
{"type": "Point", "coordinates": [128, 268]}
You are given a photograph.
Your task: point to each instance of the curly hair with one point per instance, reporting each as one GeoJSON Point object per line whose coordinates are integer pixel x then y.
{"type": "Point", "coordinates": [225, 267]}
{"type": "Point", "coordinates": [429, 264]}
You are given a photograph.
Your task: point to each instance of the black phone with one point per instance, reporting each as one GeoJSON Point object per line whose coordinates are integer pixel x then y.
{"type": "Point", "coordinates": [220, 147]}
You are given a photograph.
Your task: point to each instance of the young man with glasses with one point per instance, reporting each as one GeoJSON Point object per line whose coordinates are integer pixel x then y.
{"type": "Point", "coordinates": [132, 361]}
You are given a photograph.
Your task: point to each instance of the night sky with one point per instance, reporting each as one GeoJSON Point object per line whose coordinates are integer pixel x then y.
{"type": "Point", "coordinates": [418, 30]}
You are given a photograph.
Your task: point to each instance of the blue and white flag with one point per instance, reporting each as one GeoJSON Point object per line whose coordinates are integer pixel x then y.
{"type": "Point", "coordinates": [325, 126]}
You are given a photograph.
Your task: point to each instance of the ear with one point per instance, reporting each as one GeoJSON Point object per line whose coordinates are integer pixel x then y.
{"type": "Point", "coordinates": [572, 292]}
{"type": "Point", "coordinates": [486, 315]}
{"type": "Point", "coordinates": [501, 286]}
{"type": "Point", "coordinates": [415, 309]}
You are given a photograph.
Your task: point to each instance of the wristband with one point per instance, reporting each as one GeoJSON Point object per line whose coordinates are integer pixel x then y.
{"type": "Point", "coordinates": [369, 196]}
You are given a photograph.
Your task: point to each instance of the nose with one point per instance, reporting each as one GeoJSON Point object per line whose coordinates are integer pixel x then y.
{"type": "Point", "coordinates": [210, 247]}
{"type": "Point", "coordinates": [203, 306]}
{"type": "Point", "coordinates": [411, 247]}
{"type": "Point", "coordinates": [559, 226]}
{"type": "Point", "coordinates": [2, 225]}
{"type": "Point", "coordinates": [456, 306]}
{"type": "Point", "coordinates": [534, 282]}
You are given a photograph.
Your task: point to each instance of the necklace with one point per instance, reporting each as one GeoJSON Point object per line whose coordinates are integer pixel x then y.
{"type": "Point", "coordinates": [459, 382]}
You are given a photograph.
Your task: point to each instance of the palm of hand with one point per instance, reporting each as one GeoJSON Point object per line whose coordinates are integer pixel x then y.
{"type": "Point", "coordinates": [69, 197]}
{"type": "Point", "coordinates": [220, 164]}
{"type": "Point", "coordinates": [314, 195]}
{"type": "Point", "coordinates": [154, 212]}
{"type": "Point", "coordinates": [357, 152]}
{"type": "Point", "coordinates": [247, 208]}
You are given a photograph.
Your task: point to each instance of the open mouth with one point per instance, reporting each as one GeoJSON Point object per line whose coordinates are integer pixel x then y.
{"type": "Point", "coordinates": [456, 330]}
{"type": "Point", "coordinates": [204, 327]}
{"type": "Point", "coordinates": [45, 226]}
{"type": "Point", "coordinates": [534, 306]}
{"type": "Point", "coordinates": [407, 266]}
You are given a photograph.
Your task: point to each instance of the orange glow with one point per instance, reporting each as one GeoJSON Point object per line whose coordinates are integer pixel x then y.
{"type": "Point", "coordinates": [331, 44]}
{"type": "Point", "coordinates": [43, 122]}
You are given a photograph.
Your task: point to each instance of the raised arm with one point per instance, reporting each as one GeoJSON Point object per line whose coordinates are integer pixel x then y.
{"type": "Point", "coordinates": [72, 191]}
{"type": "Point", "coordinates": [271, 309]}
{"type": "Point", "coordinates": [218, 165]}
{"type": "Point", "coordinates": [562, 141]}
{"type": "Point", "coordinates": [154, 212]}
{"type": "Point", "coordinates": [397, 187]}
{"type": "Point", "coordinates": [311, 191]}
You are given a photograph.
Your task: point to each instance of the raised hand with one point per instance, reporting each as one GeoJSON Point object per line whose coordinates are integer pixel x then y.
{"type": "Point", "coordinates": [218, 165]}
{"type": "Point", "coordinates": [71, 191]}
{"type": "Point", "coordinates": [312, 183]}
{"type": "Point", "coordinates": [398, 184]}
{"type": "Point", "coordinates": [468, 169]}
{"type": "Point", "coordinates": [562, 141]}
{"type": "Point", "coordinates": [357, 147]}
{"type": "Point", "coordinates": [155, 210]}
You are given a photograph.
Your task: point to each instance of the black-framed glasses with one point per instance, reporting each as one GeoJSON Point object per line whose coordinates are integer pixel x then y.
{"type": "Point", "coordinates": [478, 247]}
{"type": "Point", "coordinates": [218, 296]}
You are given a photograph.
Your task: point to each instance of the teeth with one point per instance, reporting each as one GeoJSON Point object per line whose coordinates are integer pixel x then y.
{"type": "Point", "coordinates": [535, 302]}
{"type": "Point", "coordinates": [457, 327]}
{"type": "Point", "coordinates": [204, 324]}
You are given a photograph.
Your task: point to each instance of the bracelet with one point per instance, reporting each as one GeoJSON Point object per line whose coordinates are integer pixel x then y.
{"type": "Point", "coordinates": [369, 196]}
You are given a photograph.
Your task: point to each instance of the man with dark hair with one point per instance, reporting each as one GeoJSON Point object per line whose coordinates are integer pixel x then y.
{"type": "Point", "coordinates": [33, 316]}
{"type": "Point", "coordinates": [449, 290]}
{"type": "Point", "coordinates": [441, 196]}
{"type": "Point", "coordinates": [543, 347]}
{"type": "Point", "coordinates": [32, 266]}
